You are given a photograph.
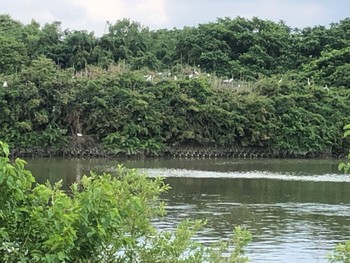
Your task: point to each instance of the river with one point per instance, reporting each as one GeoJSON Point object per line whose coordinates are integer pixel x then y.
{"type": "Point", "coordinates": [297, 210]}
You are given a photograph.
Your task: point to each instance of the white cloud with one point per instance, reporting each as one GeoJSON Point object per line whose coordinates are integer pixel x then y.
{"type": "Point", "coordinates": [92, 15]}
{"type": "Point", "coordinates": [295, 13]}
{"type": "Point", "coordinates": [148, 12]}
{"type": "Point", "coordinates": [101, 10]}
{"type": "Point", "coordinates": [154, 12]}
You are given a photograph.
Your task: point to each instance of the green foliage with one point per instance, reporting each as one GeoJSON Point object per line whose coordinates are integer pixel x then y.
{"type": "Point", "coordinates": [13, 55]}
{"type": "Point", "coordinates": [136, 91]}
{"type": "Point", "coordinates": [180, 247]}
{"type": "Point", "coordinates": [331, 68]}
{"type": "Point", "coordinates": [123, 113]}
{"type": "Point", "coordinates": [102, 218]}
{"type": "Point", "coordinates": [341, 253]}
{"type": "Point", "coordinates": [342, 250]}
{"type": "Point", "coordinates": [345, 166]}
{"type": "Point", "coordinates": [239, 47]}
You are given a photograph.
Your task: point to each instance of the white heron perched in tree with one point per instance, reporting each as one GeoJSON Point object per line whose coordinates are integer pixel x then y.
{"type": "Point", "coordinates": [227, 81]}
{"type": "Point", "coordinates": [5, 84]}
{"type": "Point", "coordinates": [148, 77]}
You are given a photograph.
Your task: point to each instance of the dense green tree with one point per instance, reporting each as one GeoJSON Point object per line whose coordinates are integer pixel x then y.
{"type": "Point", "coordinates": [126, 39]}
{"type": "Point", "coordinates": [31, 37]}
{"type": "Point", "coordinates": [338, 35]}
{"type": "Point", "coordinates": [49, 43]}
{"type": "Point", "coordinates": [10, 27]}
{"type": "Point", "coordinates": [331, 68]}
{"type": "Point", "coordinates": [13, 55]}
{"type": "Point", "coordinates": [163, 46]}
{"type": "Point", "coordinates": [230, 83]}
{"type": "Point", "coordinates": [103, 218]}
{"type": "Point", "coordinates": [77, 50]}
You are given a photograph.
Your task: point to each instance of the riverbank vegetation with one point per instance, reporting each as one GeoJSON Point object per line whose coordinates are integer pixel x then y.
{"type": "Point", "coordinates": [341, 252]}
{"type": "Point", "coordinates": [233, 83]}
{"type": "Point", "coordinates": [102, 218]}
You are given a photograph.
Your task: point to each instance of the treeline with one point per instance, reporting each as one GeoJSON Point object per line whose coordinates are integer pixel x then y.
{"type": "Point", "coordinates": [242, 48]}
{"type": "Point", "coordinates": [231, 83]}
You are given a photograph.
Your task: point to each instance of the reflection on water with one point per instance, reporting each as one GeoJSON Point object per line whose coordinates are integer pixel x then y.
{"type": "Point", "coordinates": [297, 210]}
{"type": "Point", "coordinates": [281, 230]}
{"type": "Point", "coordinates": [287, 227]}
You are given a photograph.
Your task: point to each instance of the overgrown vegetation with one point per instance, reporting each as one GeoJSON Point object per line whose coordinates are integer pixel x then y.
{"type": "Point", "coordinates": [103, 218]}
{"type": "Point", "coordinates": [231, 83]}
{"type": "Point", "coordinates": [341, 253]}
{"type": "Point", "coordinates": [342, 250]}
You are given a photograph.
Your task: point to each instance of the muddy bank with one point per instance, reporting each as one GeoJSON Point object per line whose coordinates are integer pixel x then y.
{"type": "Point", "coordinates": [175, 152]}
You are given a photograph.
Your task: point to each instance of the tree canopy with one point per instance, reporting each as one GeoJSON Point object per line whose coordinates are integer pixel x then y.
{"type": "Point", "coordinates": [235, 82]}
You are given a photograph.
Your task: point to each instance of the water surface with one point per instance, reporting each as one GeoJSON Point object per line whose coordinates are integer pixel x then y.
{"type": "Point", "coordinates": [297, 210]}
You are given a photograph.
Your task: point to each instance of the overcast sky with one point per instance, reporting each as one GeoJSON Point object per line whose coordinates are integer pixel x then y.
{"type": "Point", "coordinates": [92, 15]}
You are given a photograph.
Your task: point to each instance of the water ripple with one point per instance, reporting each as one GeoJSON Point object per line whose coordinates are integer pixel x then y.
{"type": "Point", "coordinates": [183, 173]}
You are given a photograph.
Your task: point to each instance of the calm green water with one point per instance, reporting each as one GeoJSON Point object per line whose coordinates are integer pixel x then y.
{"type": "Point", "coordinates": [297, 210]}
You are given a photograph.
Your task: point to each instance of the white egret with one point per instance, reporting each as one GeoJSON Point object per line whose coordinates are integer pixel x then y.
{"type": "Point", "coordinates": [226, 81]}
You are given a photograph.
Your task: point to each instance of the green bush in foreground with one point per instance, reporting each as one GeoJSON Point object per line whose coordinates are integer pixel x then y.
{"type": "Point", "coordinates": [345, 166]}
{"type": "Point", "coordinates": [342, 250]}
{"type": "Point", "coordinates": [341, 253]}
{"type": "Point", "coordinates": [103, 218]}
